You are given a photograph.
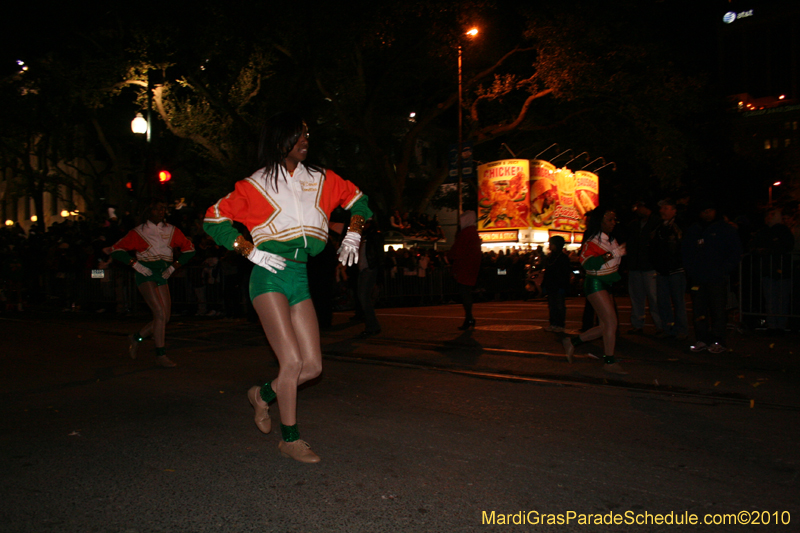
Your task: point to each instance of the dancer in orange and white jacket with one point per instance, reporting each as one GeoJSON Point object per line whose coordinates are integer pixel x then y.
{"type": "Point", "coordinates": [285, 206]}
{"type": "Point", "coordinates": [600, 257]}
{"type": "Point", "coordinates": [153, 242]}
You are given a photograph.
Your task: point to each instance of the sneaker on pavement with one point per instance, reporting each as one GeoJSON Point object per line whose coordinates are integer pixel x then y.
{"type": "Point", "coordinates": [699, 347]}
{"type": "Point", "coordinates": [717, 348]}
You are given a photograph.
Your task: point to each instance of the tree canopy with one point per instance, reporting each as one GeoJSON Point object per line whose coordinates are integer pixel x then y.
{"type": "Point", "coordinates": [596, 79]}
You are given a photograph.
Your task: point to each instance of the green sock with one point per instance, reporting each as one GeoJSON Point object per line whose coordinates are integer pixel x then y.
{"type": "Point", "coordinates": [576, 340]}
{"type": "Point", "coordinates": [609, 359]}
{"type": "Point", "coordinates": [161, 351]}
{"type": "Point", "coordinates": [267, 394]}
{"type": "Point", "coordinates": [290, 433]}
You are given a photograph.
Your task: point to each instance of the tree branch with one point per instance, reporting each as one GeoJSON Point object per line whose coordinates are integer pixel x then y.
{"type": "Point", "coordinates": [490, 132]}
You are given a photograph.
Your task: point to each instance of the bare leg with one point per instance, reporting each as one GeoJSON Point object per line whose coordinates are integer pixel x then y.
{"type": "Point", "coordinates": [160, 303]}
{"type": "Point", "coordinates": [603, 305]}
{"type": "Point", "coordinates": [293, 334]}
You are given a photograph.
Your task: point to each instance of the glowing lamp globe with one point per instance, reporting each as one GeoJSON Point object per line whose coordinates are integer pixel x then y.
{"type": "Point", "coordinates": [139, 124]}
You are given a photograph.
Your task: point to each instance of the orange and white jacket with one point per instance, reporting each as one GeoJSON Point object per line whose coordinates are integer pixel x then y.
{"type": "Point", "coordinates": [153, 242]}
{"type": "Point", "coordinates": [291, 221]}
{"type": "Point", "coordinates": [592, 253]}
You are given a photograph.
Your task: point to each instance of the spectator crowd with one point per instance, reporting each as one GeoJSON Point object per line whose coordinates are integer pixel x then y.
{"type": "Point", "coordinates": [670, 254]}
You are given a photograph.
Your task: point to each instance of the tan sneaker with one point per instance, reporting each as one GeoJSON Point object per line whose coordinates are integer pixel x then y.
{"type": "Point", "coordinates": [263, 421]}
{"type": "Point", "coordinates": [614, 368]}
{"type": "Point", "coordinates": [164, 362]}
{"type": "Point", "coordinates": [299, 450]}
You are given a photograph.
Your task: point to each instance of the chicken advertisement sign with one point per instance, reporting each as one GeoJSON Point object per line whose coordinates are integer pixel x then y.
{"type": "Point", "coordinates": [503, 199]}
{"type": "Point", "coordinates": [516, 193]}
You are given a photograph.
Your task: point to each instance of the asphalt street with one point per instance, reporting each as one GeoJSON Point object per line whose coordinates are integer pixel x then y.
{"type": "Point", "coordinates": [422, 428]}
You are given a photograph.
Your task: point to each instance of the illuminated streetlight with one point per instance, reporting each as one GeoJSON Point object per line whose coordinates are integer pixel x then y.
{"type": "Point", "coordinates": [34, 218]}
{"type": "Point", "coordinates": [64, 213]}
{"type": "Point", "coordinates": [9, 222]}
{"type": "Point", "coordinates": [139, 124]}
{"type": "Point", "coordinates": [472, 33]}
{"type": "Point", "coordinates": [770, 190]}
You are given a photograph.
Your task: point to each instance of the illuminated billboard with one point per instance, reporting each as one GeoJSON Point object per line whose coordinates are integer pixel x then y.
{"type": "Point", "coordinates": [503, 200]}
{"type": "Point", "coordinates": [522, 194]}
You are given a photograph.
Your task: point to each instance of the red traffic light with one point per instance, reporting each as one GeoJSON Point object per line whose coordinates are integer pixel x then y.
{"type": "Point", "coordinates": [164, 176]}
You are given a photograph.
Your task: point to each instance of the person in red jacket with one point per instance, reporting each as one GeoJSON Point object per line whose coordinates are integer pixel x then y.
{"type": "Point", "coordinates": [286, 206]}
{"type": "Point", "coordinates": [153, 242]}
{"type": "Point", "coordinates": [465, 257]}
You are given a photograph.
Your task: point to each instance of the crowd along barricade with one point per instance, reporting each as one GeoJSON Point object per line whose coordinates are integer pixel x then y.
{"type": "Point", "coordinates": [400, 288]}
{"type": "Point", "coordinates": [194, 290]}
{"type": "Point", "coordinates": [769, 293]}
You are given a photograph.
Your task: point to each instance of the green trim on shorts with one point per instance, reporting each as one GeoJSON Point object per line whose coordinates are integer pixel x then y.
{"type": "Point", "coordinates": [292, 282]}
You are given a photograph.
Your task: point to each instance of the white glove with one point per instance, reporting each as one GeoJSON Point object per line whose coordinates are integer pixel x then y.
{"type": "Point", "coordinates": [141, 269]}
{"type": "Point", "coordinates": [166, 274]}
{"type": "Point", "coordinates": [271, 262]}
{"type": "Point", "coordinates": [348, 251]}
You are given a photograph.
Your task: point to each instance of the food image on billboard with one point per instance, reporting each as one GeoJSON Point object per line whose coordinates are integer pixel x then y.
{"type": "Point", "coordinates": [503, 199]}
{"type": "Point", "coordinates": [544, 193]}
{"type": "Point", "coordinates": [566, 217]}
{"type": "Point", "coordinates": [587, 191]}
{"type": "Point", "coordinates": [519, 194]}
{"type": "Point", "coordinates": [560, 198]}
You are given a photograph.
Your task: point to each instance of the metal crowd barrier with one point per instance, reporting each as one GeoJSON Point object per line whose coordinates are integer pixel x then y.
{"type": "Point", "coordinates": [400, 289]}
{"type": "Point", "coordinates": [769, 293]}
{"type": "Point", "coordinates": [192, 291]}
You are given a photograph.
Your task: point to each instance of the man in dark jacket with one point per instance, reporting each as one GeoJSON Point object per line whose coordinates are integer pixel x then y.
{"type": "Point", "coordinates": [641, 274]}
{"type": "Point", "coordinates": [370, 265]}
{"type": "Point", "coordinates": [556, 283]}
{"type": "Point", "coordinates": [665, 250]}
{"type": "Point", "coordinates": [711, 252]}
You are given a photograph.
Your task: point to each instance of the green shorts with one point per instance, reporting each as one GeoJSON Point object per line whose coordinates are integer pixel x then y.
{"type": "Point", "coordinates": [593, 284]}
{"type": "Point", "coordinates": [157, 267]}
{"type": "Point", "coordinates": [292, 282]}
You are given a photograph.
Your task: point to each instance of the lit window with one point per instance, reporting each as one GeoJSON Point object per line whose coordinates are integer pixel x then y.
{"type": "Point", "coordinates": [767, 144]}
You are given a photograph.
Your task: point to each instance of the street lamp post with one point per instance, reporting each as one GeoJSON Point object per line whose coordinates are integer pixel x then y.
{"type": "Point", "coordinates": [472, 33]}
{"type": "Point", "coordinates": [770, 191]}
{"type": "Point", "coordinates": [144, 125]}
